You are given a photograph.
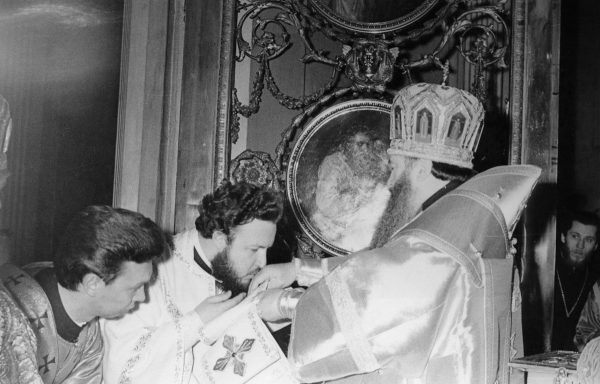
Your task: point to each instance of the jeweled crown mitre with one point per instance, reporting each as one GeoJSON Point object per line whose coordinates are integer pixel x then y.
{"type": "Point", "coordinates": [436, 122]}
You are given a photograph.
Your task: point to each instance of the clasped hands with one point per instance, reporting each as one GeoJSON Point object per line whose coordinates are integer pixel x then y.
{"type": "Point", "coordinates": [220, 311]}
{"type": "Point", "coordinates": [266, 290]}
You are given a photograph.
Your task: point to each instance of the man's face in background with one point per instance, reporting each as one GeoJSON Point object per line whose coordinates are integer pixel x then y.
{"type": "Point", "coordinates": [579, 242]}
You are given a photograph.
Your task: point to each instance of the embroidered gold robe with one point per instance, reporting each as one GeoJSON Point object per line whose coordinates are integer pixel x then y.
{"type": "Point", "coordinates": [17, 344]}
{"type": "Point", "coordinates": [438, 304]}
{"type": "Point", "coordinates": [58, 361]}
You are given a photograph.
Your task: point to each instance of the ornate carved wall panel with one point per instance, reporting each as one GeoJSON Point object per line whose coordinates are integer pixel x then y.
{"type": "Point", "coordinates": [334, 65]}
{"type": "Point", "coordinates": [363, 57]}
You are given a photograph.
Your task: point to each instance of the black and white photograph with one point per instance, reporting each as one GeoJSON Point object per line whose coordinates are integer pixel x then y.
{"type": "Point", "coordinates": [299, 191]}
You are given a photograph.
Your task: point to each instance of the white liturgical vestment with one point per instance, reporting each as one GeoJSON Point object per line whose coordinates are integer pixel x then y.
{"type": "Point", "coordinates": [147, 345]}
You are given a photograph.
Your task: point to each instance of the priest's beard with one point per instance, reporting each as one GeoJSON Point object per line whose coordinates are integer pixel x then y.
{"type": "Point", "coordinates": [398, 212]}
{"type": "Point", "coordinates": [575, 260]}
{"type": "Point", "coordinates": [223, 271]}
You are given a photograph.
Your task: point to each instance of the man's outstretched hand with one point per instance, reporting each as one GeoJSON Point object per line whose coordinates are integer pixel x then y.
{"type": "Point", "coordinates": [274, 276]}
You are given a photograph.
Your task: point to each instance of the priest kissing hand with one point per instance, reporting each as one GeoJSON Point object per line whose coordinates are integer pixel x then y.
{"type": "Point", "coordinates": [275, 276]}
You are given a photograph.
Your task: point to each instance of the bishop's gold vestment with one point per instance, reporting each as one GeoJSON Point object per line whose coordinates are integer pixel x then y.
{"type": "Point", "coordinates": [439, 303]}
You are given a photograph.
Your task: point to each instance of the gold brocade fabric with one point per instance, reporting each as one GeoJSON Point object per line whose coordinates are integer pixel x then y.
{"type": "Point", "coordinates": [82, 366]}
{"type": "Point", "coordinates": [17, 344]}
{"type": "Point", "coordinates": [33, 303]}
{"type": "Point", "coordinates": [421, 313]}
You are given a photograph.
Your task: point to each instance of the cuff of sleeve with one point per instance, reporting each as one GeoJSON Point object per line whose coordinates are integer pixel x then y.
{"type": "Point", "coordinates": [288, 301]}
{"type": "Point", "coordinates": [309, 271]}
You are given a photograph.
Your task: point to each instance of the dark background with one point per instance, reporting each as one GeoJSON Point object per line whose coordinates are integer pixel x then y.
{"type": "Point", "coordinates": [59, 71]}
{"type": "Point", "coordinates": [579, 134]}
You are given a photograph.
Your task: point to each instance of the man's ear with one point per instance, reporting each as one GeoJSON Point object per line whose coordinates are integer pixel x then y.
{"type": "Point", "coordinates": [91, 283]}
{"type": "Point", "coordinates": [220, 240]}
{"type": "Point", "coordinates": [562, 238]}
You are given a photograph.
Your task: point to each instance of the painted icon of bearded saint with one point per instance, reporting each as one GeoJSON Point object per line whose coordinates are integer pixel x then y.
{"type": "Point", "coordinates": [351, 194]}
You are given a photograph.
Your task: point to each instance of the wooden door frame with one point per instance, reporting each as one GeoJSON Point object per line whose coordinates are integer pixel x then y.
{"type": "Point", "coordinates": [174, 106]}
{"type": "Point", "coordinates": [534, 120]}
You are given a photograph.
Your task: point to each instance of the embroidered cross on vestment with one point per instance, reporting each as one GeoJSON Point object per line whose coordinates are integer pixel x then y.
{"type": "Point", "coordinates": [15, 280]}
{"type": "Point", "coordinates": [45, 368]}
{"type": "Point", "coordinates": [37, 321]}
{"type": "Point", "coordinates": [235, 353]}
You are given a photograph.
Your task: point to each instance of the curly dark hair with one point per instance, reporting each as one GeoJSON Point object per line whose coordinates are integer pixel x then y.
{"type": "Point", "coordinates": [449, 172]}
{"type": "Point", "coordinates": [584, 217]}
{"type": "Point", "coordinates": [231, 205]}
{"type": "Point", "coordinates": [100, 238]}
{"type": "Point", "coordinates": [445, 171]}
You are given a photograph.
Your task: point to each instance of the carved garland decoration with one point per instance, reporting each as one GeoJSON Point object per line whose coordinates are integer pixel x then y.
{"type": "Point", "coordinates": [368, 60]}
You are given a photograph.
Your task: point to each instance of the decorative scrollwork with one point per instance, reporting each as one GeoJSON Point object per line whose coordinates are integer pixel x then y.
{"type": "Point", "coordinates": [480, 44]}
{"type": "Point", "coordinates": [370, 65]}
{"type": "Point", "coordinates": [264, 75]}
{"type": "Point", "coordinates": [247, 110]}
{"type": "Point", "coordinates": [257, 168]}
{"type": "Point", "coordinates": [370, 60]}
{"type": "Point", "coordinates": [267, 45]}
{"type": "Point", "coordinates": [482, 36]}
{"type": "Point", "coordinates": [303, 101]}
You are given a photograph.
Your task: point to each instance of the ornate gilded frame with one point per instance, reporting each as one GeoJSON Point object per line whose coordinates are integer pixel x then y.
{"type": "Point", "coordinates": [370, 58]}
{"type": "Point", "coordinates": [316, 143]}
{"type": "Point", "coordinates": [380, 27]}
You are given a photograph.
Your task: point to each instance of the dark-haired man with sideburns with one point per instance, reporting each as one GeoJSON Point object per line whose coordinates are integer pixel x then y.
{"type": "Point", "coordinates": [101, 268]}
